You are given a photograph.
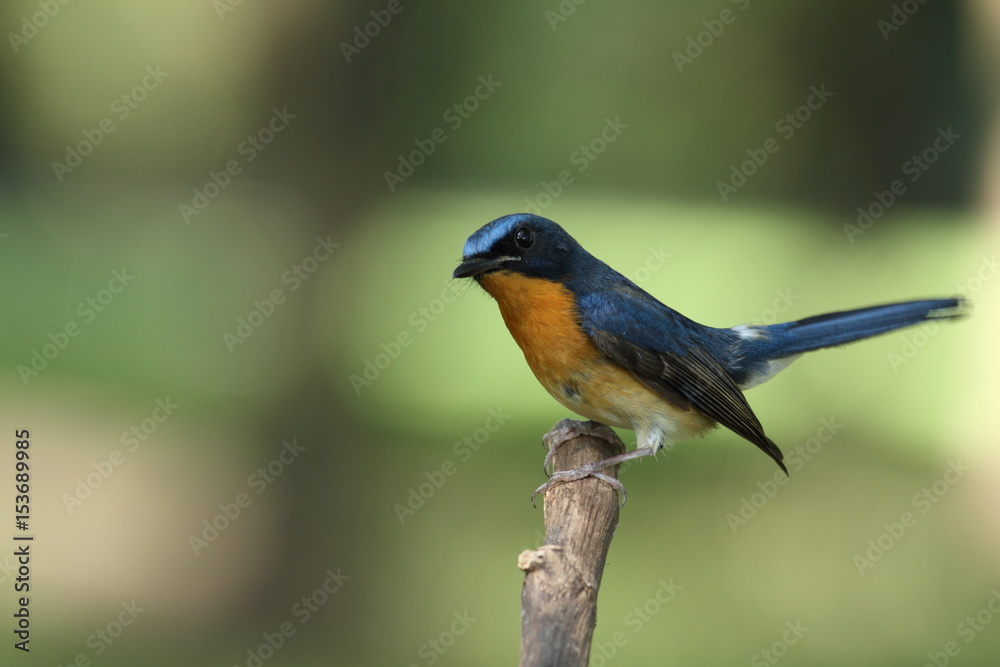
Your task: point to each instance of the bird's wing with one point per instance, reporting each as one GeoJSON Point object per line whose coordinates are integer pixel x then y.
{"type": "Point", "coordinates": [666, 352]}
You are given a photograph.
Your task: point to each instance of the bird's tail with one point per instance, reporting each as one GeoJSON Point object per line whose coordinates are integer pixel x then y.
{"type": "Point", "coordinates": [791, 338]}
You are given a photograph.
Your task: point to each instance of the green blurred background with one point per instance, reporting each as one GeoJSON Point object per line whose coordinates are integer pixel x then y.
{"type": "Point", "coordinates": [237, 317]}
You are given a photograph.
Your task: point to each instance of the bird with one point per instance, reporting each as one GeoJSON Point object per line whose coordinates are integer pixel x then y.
{"type": "Point", "coordinates": [608, 350]}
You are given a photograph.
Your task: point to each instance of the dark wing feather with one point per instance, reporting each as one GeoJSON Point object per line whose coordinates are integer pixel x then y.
{"type": "Point", "coordinates": [696, 377]}
{"type": "Point", "coordinates": [679, 370]}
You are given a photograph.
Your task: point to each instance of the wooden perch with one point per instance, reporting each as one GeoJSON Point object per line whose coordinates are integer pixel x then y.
{"type": "Point", "coordinates": [559, 596]}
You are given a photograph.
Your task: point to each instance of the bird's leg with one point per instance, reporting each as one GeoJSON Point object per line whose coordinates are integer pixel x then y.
{"type": "Point", "coordinates": [566, 430]}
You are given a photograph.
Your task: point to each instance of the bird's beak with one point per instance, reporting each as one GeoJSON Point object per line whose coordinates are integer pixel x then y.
{"type": "Point", "coordinates": [477, 266]}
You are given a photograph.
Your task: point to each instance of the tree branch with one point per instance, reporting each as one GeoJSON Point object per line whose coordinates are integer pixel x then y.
{"type": "Point", "coordinates": [559, 595]}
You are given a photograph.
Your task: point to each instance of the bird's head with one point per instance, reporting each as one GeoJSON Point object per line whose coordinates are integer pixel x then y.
{"type": "Point", "coordinates": [520, 243]}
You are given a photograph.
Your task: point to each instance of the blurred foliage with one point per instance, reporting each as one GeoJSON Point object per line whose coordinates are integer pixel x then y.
{"type": "Point", "coordinates": [232, 157]}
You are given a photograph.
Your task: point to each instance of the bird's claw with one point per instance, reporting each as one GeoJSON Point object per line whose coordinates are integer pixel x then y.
{"type": "Point", "coordinates": [564, 431]}
{"type": "Point", "coordinates": [590, 470]}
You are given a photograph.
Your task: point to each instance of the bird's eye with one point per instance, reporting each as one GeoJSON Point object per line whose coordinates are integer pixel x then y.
{"type": "Point", "coordinates": [524, 238]}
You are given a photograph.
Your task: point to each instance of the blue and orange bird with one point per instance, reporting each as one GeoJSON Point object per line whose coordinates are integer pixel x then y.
{"type": "Point", "coordinates": [607, 350]}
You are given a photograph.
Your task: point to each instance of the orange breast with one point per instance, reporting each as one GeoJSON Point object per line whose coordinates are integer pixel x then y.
{"type": "Point", "coordinates": [542, 317]}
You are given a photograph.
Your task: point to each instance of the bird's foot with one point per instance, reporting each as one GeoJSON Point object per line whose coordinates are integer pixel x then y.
{"type": "Point", "coordinates": [592, 469]}
{"type": "Point", "coordinates": [563, 476]}
{"type": "Point", "coordinates": [566, 430]}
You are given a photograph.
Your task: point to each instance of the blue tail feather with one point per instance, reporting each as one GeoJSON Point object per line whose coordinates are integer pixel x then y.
{"type": "Point", "coordinates": [813, 333]}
